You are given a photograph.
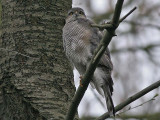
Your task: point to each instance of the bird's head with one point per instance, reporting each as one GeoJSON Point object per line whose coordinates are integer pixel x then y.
{"type": "Point", "coordinates": [74, 14]}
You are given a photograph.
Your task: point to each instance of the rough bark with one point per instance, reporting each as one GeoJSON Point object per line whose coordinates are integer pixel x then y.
{"type": "Point", "coordinates": [35, 76]}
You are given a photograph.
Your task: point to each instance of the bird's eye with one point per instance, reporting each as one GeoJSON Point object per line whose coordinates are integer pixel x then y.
{"type": "Point", "coordinates": [71, 13]}
{"type": "Point", "coordinates": [81, 13]}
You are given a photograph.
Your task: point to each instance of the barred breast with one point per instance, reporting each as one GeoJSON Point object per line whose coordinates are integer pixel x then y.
{"type": "Point", "coordinates": [76, 44]}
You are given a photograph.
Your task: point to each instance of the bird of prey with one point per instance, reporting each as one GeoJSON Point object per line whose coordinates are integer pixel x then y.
{"type": "Point", "coordinates": [80, 40]}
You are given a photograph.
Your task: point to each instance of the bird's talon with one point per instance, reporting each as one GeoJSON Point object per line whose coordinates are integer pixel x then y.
{"type": "Point", "coordinates": [80, 83]}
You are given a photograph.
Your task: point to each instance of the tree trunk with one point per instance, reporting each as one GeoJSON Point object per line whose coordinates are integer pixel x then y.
{"type": "Point", "coordinates": [36, 78]}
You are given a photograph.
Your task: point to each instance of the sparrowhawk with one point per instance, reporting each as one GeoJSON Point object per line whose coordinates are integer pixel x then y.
{"type": "Point", "coordinates": [80, 40]}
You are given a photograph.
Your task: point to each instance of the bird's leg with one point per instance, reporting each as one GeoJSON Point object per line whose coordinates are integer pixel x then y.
{"type": "Point", "coordinates": [80, 83]}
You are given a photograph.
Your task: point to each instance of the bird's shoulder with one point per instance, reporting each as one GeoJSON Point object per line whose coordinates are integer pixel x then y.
{"type": "Point", "coordinates": [85, 21]}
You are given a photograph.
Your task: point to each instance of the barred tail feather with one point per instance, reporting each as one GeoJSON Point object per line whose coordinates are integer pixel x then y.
{"type": "Point", "coordinates": [109, 102]}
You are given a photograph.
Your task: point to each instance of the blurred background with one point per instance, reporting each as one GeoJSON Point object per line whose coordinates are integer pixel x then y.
{"type": "Point", "coordinates": [135, 53]}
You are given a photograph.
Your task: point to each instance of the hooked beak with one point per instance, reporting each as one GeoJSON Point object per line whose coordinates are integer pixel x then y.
{"type": "Point", "coordinates": [76, 14]}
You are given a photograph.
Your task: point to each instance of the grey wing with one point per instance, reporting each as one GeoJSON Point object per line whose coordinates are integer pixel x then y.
{"type": "Point", "coordinates": [95, 40]}
{"type": "Point", "coordinates": [105, 66]}
{"type": "Point", "coordinates": [105, 62]}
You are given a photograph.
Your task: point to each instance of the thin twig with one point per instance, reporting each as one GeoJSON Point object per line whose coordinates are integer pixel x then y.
{"type": "Point", "coordinates": [127, 14]}
{"type": "Point", "coordinates": [103, 26]}
{"type": "Point", "coordinates": [131, 108]}
{"type": "Point", "coordinates": [131, 99]}
{"type": "Point", "coordinates": [98, 99]}
{"type": "Point", "coordinates": [152, 116]}
{"type": "Point", "coordinates": [109, 25]}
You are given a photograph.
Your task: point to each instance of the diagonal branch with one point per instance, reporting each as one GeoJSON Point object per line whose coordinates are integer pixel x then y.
{"type": "Point", "coordinates": [131, 99]}
{"type": "Point", "coordinates": [92, 66]}
{"type": "Point", "coordinates": [127, 14]}
{"type": "Point", "coordinates": [151, 116]}
{"type": "Point", "coordinates": [130, 108]}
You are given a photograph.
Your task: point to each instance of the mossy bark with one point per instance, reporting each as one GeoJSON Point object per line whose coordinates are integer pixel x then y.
{"type": "Point", "coordinates": [36, 79]}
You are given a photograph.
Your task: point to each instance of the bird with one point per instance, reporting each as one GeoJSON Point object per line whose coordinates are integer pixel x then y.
{"type": "Point", "coordinates": [80, 40]}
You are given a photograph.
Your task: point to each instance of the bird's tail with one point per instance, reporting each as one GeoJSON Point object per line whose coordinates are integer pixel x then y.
{"type": "Point", "coordinates": [109, 102]}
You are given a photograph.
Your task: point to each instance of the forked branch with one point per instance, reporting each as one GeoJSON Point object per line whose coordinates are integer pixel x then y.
{"type": "Point", "coordinates": [109, 25]}
{"type": "Point", "coordinates": [131, 99]}
{"type": "Point", "coordinates": [94, 61]}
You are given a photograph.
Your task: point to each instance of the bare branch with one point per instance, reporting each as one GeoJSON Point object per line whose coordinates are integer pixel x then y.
{"type": "Point", "coordinates": [130, 108]}
{"type": "Point", "coordinates": [109, 25]}
{"type": "Point", "coordinates": [127, 14]}
{"type": "Point", "coordinates": [152, 116]}
{"type": "Point", "coordinates": [131, 99]}
{"type": "Point", "coordinates": [98, 99]}
{"type": "Point", "coordinates": [103, 26]}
